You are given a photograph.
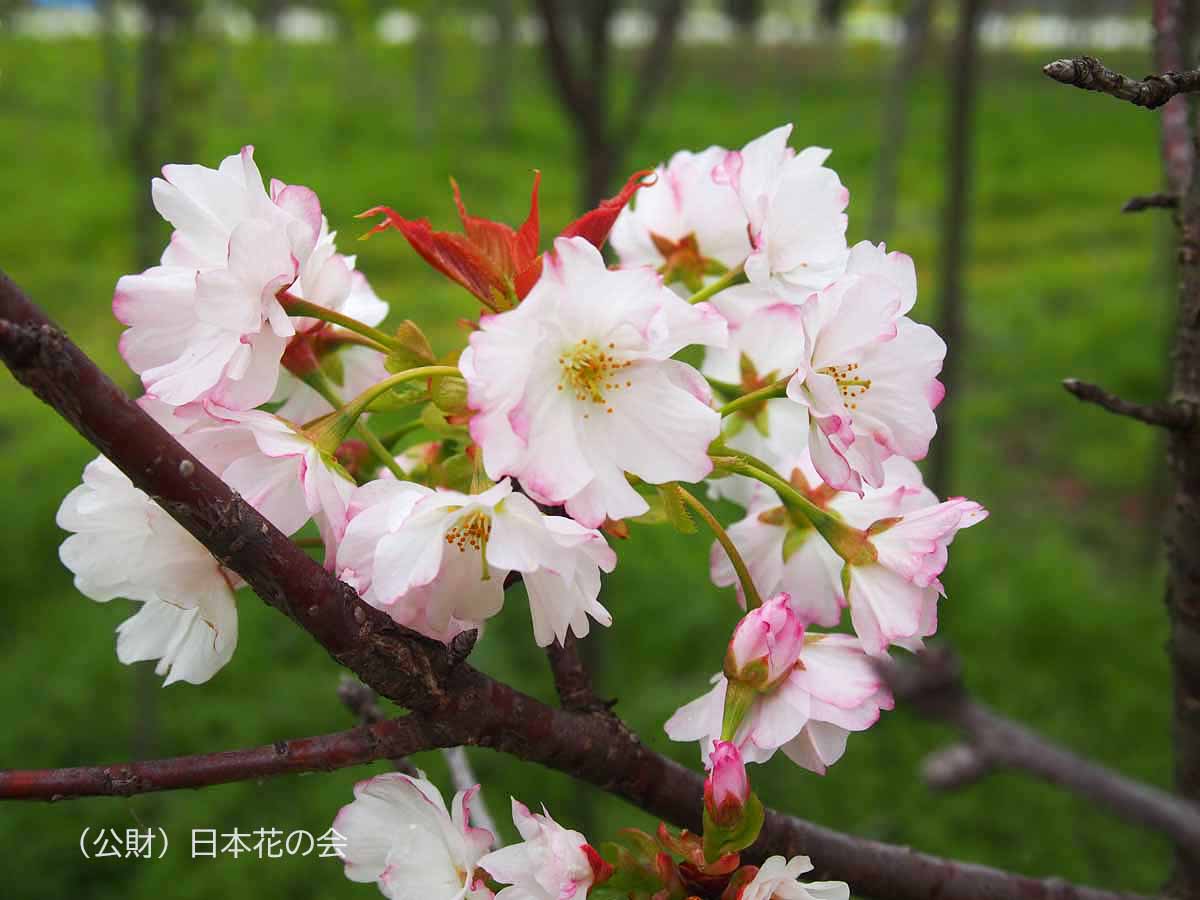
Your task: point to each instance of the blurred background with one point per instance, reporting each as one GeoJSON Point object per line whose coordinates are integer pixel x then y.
{"type": "Point", "coordinates": [1005, 188]}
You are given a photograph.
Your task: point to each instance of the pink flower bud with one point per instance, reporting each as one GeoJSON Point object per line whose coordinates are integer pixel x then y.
{"type": "Point", "coordinates": [727, 788]}
{"type": "Point", "coordinates": [766, 644]}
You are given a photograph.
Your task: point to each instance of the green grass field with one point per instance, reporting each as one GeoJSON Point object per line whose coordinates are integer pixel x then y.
{"type": "Point", "coordinates": [1055, 603]}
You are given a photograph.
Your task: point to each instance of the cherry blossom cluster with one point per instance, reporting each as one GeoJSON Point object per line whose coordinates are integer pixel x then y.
{"type": "Point", "coordinates": [567, 414]}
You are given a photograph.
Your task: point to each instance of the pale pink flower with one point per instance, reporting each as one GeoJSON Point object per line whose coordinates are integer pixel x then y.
{"type": "Point", "coordinates": [766, 343]}
{"type": "Point", "coordinates": [766, 644]}
{"type": "Point", "coordinates": [893, 600]}
{"type": "Point", "coordinates": [686, 212]}
{"type": "Point", "coordinates": [787, 554]}
{"type": "Point", "coordinates": [123, 544]}
{"type": "Point", "coordinates": [436, 561]}
{"type": "Point", "coordinates": [550, 863]}
{"type": "Point", "coordinates": [399, 834]}
{"type": "Point", "coordinates": [796, 211]}
{"type": "Point", "coordinates": [277, 470]}
{"type": "Point", "coordinates": [727, 789]}
{"type": "Point", "coordinates": [870, 384]}
{"type": "Point", "coordinates": [778, 879]}
{"type": "Point", "coordinates": [206, 323]}
{"type": "Point", "coordinates": [576, 386]}
{"type": "Point", "coordinates": [832, 691]}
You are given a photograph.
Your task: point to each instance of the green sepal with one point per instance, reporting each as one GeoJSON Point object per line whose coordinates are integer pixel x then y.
{"type": "Point", "coordinates": [334, 368]}
{"type": "Point", "coordinates": [739, 697]}
{"type": "Point", "coordinates": [435, 421]}
{"type": "Point", "coordinates": [720, 841]}
{"type": "Point", "coordinates": [675, 510]}
{"type": "Point", "coordinates": [795, 540]}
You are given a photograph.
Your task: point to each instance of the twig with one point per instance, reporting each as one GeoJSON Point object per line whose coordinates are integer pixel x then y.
{"type": "Point", "coordinates": [391, 738]}
{"type": "Point", "coordinates": [465, 706]}
{"type": "Point", "coordinates": [364, 704]}
{"type": "Point", "coordinates": [1153, 91]}
{"type": "Point", "coordinates": [571, 678]}
{"type": "Point", "coordinates": [933, 686]}
{"type": "Point", "coordinates": [1151, 201]}
{"type": "Point", "coordinates": [1176, 416]}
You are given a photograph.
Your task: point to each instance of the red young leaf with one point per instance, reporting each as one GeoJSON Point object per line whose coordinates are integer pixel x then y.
{"type": "Point", "coordinates": [595, 225]}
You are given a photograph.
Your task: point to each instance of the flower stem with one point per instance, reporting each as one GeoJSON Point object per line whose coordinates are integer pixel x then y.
{"type": "Point", "coordinates": [736, 275]}
{"type": "Point", "coordinates": [320, 383]}
{"type": "Point", "coordinates": [749, 591]}
{"type": "Point", "coordinates": [294, 306]}
{"type": "Point", "coordinates": [769, 392]}
{"type": "Point", "coordinates": [849, 543]}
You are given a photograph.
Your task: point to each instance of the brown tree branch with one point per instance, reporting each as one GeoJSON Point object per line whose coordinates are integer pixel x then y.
{"type": "Point", "coordinates": [934, 688]}
{"type": "Point", "coordinates": [1151, 201]}
{"type": "Point", "coordinates": [455, 705]}
{"type": "Point", "coordinates": [1176, 131]}
{"type": "Point", "coordinates": [382, 740]}
{"type": "Point", "coordinates": [652, 70]}
{"type": "Point", "coordinates": [1177, 416]}
{"type": "Point", "coordinates": [364, 704]}
{"type": "Point", "coordinates": [1153, 91]}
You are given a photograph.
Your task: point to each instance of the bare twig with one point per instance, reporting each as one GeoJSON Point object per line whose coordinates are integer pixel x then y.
{"type": "Point", "coordinates": [571, 678]}
{"type": "Point", "coordinates": [395, 737]}
{"type": "Point", "coordinates": [1153, 91]}
{"type": "Point", "coordinates": [455, 705]}
{"type": "Point", "coordinates": [1177, 416]}
{"type": "Point", "coordinates": [933, 686]}
{"type": "Point", "coordinates": [1151, 201]}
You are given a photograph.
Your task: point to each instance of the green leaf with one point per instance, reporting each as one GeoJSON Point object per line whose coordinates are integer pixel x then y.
{"type": "Point", "coordinates": [450, 394]}
{"type": "Point", "coordinates": [718, 841]}
{"type": "Point", "coordinates": [435, 421]}
{"type": "Point", "coordinates": [795, 540]}
{"type": "Point", "coordinates": [412, 349]}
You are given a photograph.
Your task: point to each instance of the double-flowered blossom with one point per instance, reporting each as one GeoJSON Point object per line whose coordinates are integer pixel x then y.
{"type": "Point", "coordinates": [436, 560]}
{"type": "Point", "coordinates": [795, 207]}
{"type": "Point", "coordinates": [685, 224]}
{"type": "Point", "coordinates": [893, 592]}
{"type": "Point", "coordinates": [208, 322]}
{"type": "Point", "coordinates": [550, 863]}
{"type": "Point", "coordinates": [123, 544]}
{"type": "Point", "coordinates": [830, 690]}
{"type": "Point", "coordinates": [576, 386]}
{"type": "Point", "coordinates": [399, 834]}
{"type": "Point", "coordinates": [869, 382]}
{"type": "Point", "coordinates": [779, 879]}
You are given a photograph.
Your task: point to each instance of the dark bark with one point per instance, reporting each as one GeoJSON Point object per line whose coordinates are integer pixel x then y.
{"type": "Point", "coordinates": [1169, 56]}
{"type": "Point", "coordinates": [453, 703]}
{"type": "Point", "coordinates": [895, 117]}
{"type": "Point", "coordinates": [1183, 532]}
{"type": "Point", "coordinates": [963, 77]}
{"type": "Point", "coordinates": [1151, 92]}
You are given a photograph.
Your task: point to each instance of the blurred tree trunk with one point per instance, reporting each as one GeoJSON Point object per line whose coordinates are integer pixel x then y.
{"type": "Point", "coordinates": [497, 93]}
{"type": "Point", "coordinates": [110, 72]}
{"type": "Point", "coordinates": [963, 77]}
{"type": "Point", "coordinates": [895, 117]}
{"type": "Point", "coordinates": [581, 80]}
{"type": "Point", "coordinates": [427, 71]}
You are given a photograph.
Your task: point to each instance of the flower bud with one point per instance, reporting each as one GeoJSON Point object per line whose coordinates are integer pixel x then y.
{"type": "Point", "coordinates": [727, 787]}
{"type": "Point", "coordinates": [766, 644]}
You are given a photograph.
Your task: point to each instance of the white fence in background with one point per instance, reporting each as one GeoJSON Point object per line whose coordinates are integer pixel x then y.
{"type": "Point", "coordinates": [304, 25]}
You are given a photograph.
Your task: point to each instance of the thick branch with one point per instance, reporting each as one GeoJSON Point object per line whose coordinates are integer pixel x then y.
{"type": "Point", "coordinates": [464, 706]}
{"type": "Point", "coordinates": [1153, 91]}
{"type": "Point", "coordinates": [933, 686]}
{"type": "Point", "coordinates": [1178, 416]}
{"type": "Point", "coordinates": [1176, 130]}
{"type": "Point", "coordinates": [383, 740]}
